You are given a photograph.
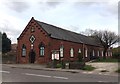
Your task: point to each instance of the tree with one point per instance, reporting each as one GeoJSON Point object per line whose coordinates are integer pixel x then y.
{"type": "Point", "coordinates": [6, 43]}
{"type": "Point", "coordinates": [106, 38]}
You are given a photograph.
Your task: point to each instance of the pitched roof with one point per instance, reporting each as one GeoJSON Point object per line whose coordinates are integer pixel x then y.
{"type": "Point", "coordinates": [63, 34]}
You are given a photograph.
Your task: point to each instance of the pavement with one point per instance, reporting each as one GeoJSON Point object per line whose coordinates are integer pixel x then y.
{"type": "Point", "coordinates": [108, 68]}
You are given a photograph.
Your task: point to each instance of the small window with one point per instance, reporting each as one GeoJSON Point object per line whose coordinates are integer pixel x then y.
{"type": "Point", "coordinates": [42, 49]}
{"type": "Point", "coordinates": [71, 52]}
{"type": "Point", "coordinates": [32, 29]}
{"type": "Point", "coordinates": [23, 50]}
{"type": "Point", "coordinates": [61, 51]}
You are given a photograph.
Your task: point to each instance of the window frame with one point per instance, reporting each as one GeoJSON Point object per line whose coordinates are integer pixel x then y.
{"type": "Point", "coordinates": [61, 52]}
{"type": "Point", "coordinates": [32, 29]}
{"type": "Point", "coordinates": [71, 52]}
{"type": "Point", "coordinates": [86, 53]}
{"type": "Point", "coordinates": [41, 50]}
{"type": "Point", "coordinates": [24, 52]}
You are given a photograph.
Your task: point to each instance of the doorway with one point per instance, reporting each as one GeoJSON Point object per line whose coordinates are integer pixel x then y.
{"type": "Point", "coordinates": [32, 56]}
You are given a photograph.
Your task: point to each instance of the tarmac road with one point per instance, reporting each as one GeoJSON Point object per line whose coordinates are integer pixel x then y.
{"type": "Point", "coordinates": [29, 75]}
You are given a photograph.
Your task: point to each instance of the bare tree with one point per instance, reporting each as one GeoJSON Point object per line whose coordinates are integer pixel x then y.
{"type": "Point", "coordinates": [106, 38]}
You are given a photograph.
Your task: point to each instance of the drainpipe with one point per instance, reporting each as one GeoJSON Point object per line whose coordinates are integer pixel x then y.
{"type": "Point", "coordinates": [83, 52]}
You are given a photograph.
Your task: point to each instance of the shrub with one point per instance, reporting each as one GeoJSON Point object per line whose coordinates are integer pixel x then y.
{"type": "Point", "coordinates": [118, 71]}
{"type": "Point", "coordinates": [104, 71]}
{"type": "Point", "coordinates": [106, 60]}
{"type": "Point", "coordinates": [88, 68]}
{"type": "Point", "coordinates": [59, 65]}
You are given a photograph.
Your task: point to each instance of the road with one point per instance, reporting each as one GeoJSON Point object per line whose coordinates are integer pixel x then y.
{"type": "Point", "coordinates": [29, 75]}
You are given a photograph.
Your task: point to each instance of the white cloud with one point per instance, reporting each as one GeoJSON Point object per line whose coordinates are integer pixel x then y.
{"type": "Point", "coordinates": [72, 15]}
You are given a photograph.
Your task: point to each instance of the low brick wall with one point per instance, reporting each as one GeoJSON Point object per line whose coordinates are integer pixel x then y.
{"type": "Point", "coordinates": [8, 59]}
{"type": "Point", "coordinates": [76, 65]}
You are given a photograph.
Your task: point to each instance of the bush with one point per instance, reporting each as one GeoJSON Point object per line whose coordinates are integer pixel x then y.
{"type": "Point", "coordinates": [106, 60]}
{"type": "Point", "coordinates": [118, 71]}
{"type": "Point", "coordinates": [59, 65]}
{"type": "Point", "coordinates": [104, 71]}
{"type": "Point", "coordinates": [80, 57]}
{"type": "Point", "coordinates": [116, 55]}
{"type": "Point", "coordinates": [88, 68]}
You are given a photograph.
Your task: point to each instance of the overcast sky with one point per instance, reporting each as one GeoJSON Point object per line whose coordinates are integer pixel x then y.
{"type": "Point", "coordinates": [76, 15]}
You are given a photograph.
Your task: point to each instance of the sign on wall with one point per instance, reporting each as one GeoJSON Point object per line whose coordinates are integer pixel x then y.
{"type": "Point", "coordinates": [55, 55]}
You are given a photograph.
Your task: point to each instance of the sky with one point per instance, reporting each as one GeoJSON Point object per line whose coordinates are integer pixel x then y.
{"type": "Point", "coordinates": [73, 15]}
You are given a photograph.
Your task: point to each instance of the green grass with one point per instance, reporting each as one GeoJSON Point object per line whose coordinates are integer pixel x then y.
{"type": "Point", "coordinates": [106, 60]}
{"type": "Point", "coordinates": [88, 68]}
{"type": "Point", "coordinates": [118, 71]}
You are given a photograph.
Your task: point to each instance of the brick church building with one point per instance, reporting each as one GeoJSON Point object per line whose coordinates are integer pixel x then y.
{"type": "Point", "coordinates": [41, 43]}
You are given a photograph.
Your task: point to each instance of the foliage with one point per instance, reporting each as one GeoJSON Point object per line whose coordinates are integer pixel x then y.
{"type": "Point", "coordinates": [106, 38]}
{"type": "Point", "coordinates": [6, 43]}
{"type": "Point", "coordinates": [104, 71]}
{"type": "Point", "coordinates": [118, 71]}
{"type": "Point", "coordinates": [106, 60]}
{"type": "Point", "coordinates": [88, 68]}
{"type": "Point", "coordinates": [59, 65]}
{"type": "Point", "coordinates": [116, 52]}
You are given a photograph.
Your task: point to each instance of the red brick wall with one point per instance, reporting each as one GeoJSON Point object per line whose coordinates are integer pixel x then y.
{"type": "Point", "coordinates": [40, 36]}
{"type": "Point", "coordinates": [55, 45]}
{"type": "Point", "coordinates": [50, 44]}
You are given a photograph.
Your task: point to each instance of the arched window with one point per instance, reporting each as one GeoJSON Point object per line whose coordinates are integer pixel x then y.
{"type": "Point", "coordinates": [42, 49]}
{"type": "Point", "coordinates": [23, 50]}
{"type": "Point", "coordinates": [98, 53]}
{"type": "Point", "coordinates": [61, 51]}
{"type": "Point", "coordinates": [79, 50]}
{"type": "Point", "coordinates": [71, 52]}
{"type": "Point", "coordinates": [86, 53]}
{"type": "Point", "coordinates": [102, 53]}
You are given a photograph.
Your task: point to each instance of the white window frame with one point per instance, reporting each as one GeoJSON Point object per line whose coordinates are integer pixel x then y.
{"type": "Point", "coordinates": [23, 50]}
{"type": "Point", "coordinates": [61, 51]}
{"type": "Point", "coordinates": [71, 52]}
{"type": "Point", "coordinates": [79, 50]}
{"type": "Point", "coordinates": [86, 53]}
{"type": "Point", "coordinates": [42, 50]}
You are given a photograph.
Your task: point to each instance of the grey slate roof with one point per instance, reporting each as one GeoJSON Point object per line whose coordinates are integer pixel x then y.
{"type": "Point", "coordinates": [63, 34]}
